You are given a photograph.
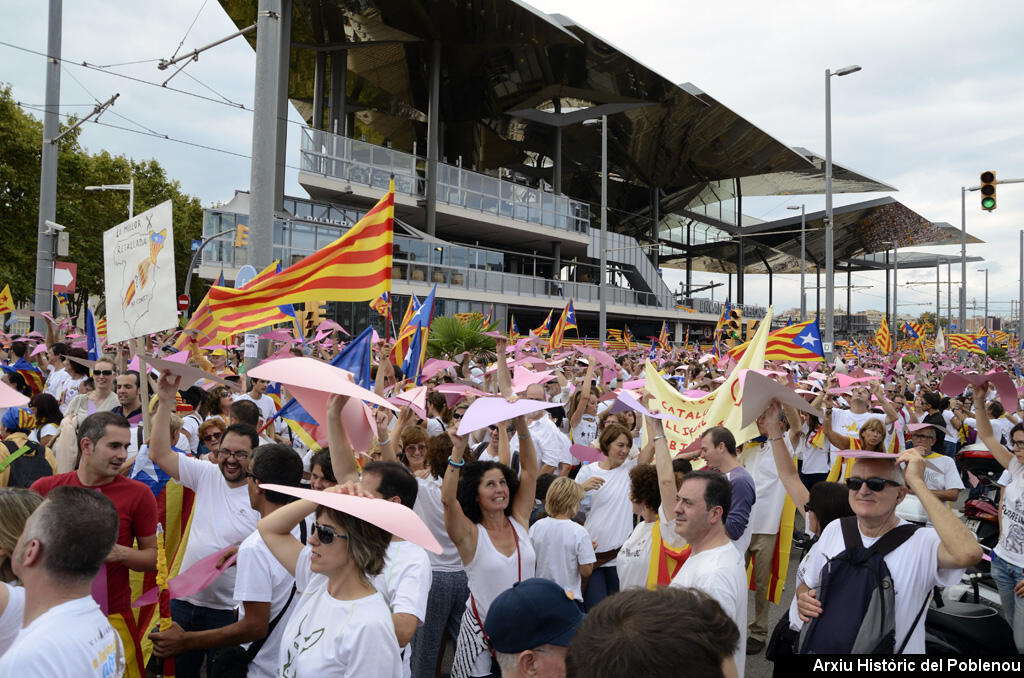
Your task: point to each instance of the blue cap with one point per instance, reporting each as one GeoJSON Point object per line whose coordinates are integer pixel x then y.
{"type": "Point", "coordinates": [532, 613]}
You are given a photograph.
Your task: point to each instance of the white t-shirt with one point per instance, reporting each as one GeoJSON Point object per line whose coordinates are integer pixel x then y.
{"type": "Point", "coordinates": [815, 459]}
{"type": "Point", "coordinates": [551, 445]}
{"type": "Point", "coordinates": [952, 435]}
{"type": "Point", "coordinates": [70, 639]}
{"type": "Point", "coordinates": [405, 584]}
{"type": "Point", "coordinates": [261, 578]}
{"type": "Point", "coordinates": [1000, 427]}
{"type": "Point", "coordinates": [913, 565]}
{"type": "Point", "coordinates": [435, 426]}
{"type": "Point", "coordinates": [190, 424]}
{"type": "Point", "coordinates": [562, 546]}
{"type": "Point", "coordinates": [1011, 535]}
{"type": "Point", "coordinates": [771, 494]}
{"type": "Point", "coordinates": [330, 637]}
{"type": "Point", "coordinates": [943, 477]}
{"type": "Point", "coordinates": [221, 516]}
{"type": "Point", "coordinates": [634, 559]}
{"type": "Point", "coordinates": [719, 572]}
{"type": "Point", "coordinates": [584, 432]}
{"type": "Point", "coordinates": [265, 404]}
{"type": "Point", "coordinates": [68, 390]}
{"type": "Point", "coordinates": [56, 382]}
{"type": "Point", "coordinates": [12, 617]}
{"type": "Point", "coordinates": [610, 519]}
{"type": "Point", "coordinates": [428, 507]}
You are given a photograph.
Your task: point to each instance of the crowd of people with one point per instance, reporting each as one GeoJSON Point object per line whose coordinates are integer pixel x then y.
{"type": "Point", "coordinates": [581, 538]}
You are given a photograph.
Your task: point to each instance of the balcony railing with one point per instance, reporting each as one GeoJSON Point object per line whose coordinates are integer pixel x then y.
{"type": "Point", "coordinates": [360, 162]}
{"type": "Point", "coordinates": [497, 282]}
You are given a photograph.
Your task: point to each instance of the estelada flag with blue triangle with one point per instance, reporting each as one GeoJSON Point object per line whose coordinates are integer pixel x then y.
{"type": "Point", "coordinates": [412, 365]}
{"type": "Point", "coordinates": [404, 338]}
{"type": "Point", "coordinates": [513, 328]}
{"type": "Point", "coordinates": [544, 326]}
{"type": "Point", "coordinates": [801, 342]}
{"type": "Point", "coordinates": [663, 336]}
{"type": "Point", "coordinates": [565, 321]}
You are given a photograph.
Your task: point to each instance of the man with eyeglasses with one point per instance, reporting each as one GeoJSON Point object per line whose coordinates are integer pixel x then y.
{"type": "Point", "coordinates": [931, 556]}
{"type": "Point", "coordinates": [941, 475]}
{"type": "Point", "coordinates": [221, 516]}
{"type": "Point", "coordinates": [262, 585]}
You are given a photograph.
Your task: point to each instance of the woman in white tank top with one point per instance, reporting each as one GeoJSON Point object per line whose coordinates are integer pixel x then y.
{"type": "Point", "coordinates": [487, 513]}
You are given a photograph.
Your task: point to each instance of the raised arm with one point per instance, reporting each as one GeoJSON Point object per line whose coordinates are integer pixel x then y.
{"type": "Point", "coordinates": [998, 450]}
{"type": "Point", "coordinates": [460, 529]}
{"type": "Point", "coordinates": [343, 458]}
{"type": "Point", "coordinates": [504, 446]}
{"type": "Point", "coordinates": [160, 434]}
{"type": "Point", "coordinates": [787, 470]}
{"type": "Point", "coordinates": [891, 415]}
{"type": "Point", "coordinates": [834, 437]}
{"type": "Point", "coordinates": [390, 441]}
{"type": "Point", "coordinates": [522, 503]}
{"type": "Point", "coordinates": [577, 415]}
{"type": "Point", "coordinates": [276, 530]}
{"type": "Point", "coordinates": [662, 462]}
{"type": "Point", "coordinates": [958, 546]}
{"type": "Point", "coordinates": [504, 378]}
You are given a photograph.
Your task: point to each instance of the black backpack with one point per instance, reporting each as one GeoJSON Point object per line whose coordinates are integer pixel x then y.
{"type": "Point", "coordinates": [857, 598]}
{"type": "Point", "coordinates": [27, 467]}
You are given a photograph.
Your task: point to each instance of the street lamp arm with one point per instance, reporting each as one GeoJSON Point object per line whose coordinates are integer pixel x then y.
{"type": "Point", "coordinates": [195, 257]}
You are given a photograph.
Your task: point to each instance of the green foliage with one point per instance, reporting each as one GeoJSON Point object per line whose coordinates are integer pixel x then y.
{"type": "Point", "coordinates": [996, 351]}
{"type": "Point", "coordinates": [85, 214]}
{"type": "Point", "coordinates": [449, 337]}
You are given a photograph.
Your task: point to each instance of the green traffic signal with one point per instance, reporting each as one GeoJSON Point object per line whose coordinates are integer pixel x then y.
{"type": "Point", "coordinates": [988, 203]}
{"type": "Point", "coordinates": [988, 190]}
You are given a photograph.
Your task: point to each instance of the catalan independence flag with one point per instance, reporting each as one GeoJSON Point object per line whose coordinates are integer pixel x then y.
{"type": "Point", "coordinates": [663, 336]}
{"type": "Point", "coordinates": [882, 337]}
{"type": "Point", "coordinates": [355, 267]}
{"type": "Point", "coordinates": [565, 321]}
{"type": "Point", "coordinates": [913, 330]}
{"type": "Point", "coordinates": [800, 341]}
{"type": "Point", "coordinates": [404, 338]}
{"type": "Point", "coordinates": [513, 328]}
{"type": "Point", "coordinates": [972, 343]}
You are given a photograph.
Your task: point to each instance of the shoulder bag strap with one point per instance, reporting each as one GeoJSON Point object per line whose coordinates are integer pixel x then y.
{"type": "Point", "coordinates": [257, 645]}
{"type": "Point", "coordinates": [893, 539]}
{"type": "Point", "coordinates": [913, 626]}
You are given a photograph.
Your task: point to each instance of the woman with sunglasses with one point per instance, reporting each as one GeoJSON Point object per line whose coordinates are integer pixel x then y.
{"type": "Point", "coordinates": [341, 625]}
{"type": "Point", "coordinates": [1008, 555]}
{"type": "Point", "coordinates": [101, 399]}
{"type": "Point", "coordinates": [210, 433]}
{"type": "Point", "coordinates": [217, 403]}
{"type": "Point", "coordinates": [819, 506]}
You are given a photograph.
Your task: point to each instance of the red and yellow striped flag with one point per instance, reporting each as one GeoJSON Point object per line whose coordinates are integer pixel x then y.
{"type": "Point", "coordinates": [211, 330]}
{"type": "Point", "coordinates": [883, 338]}
{"type": "Point", "coordinates": [404, 339]}
{"type": "Point", "coordinates": [355, 267]}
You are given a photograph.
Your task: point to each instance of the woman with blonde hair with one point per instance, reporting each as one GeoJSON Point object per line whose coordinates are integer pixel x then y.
{"type": "Point", "coordinates": [16, 505]}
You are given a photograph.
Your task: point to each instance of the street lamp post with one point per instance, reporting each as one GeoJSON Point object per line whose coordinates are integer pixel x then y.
{"type": "Point", "coordinates": [803, 259]}
{"type": "Point", "coordinates": [130, 187]}
{"type": "Point", "coordinates": [602, 325]}
{"type": "Point", "coordinates": [829, 263]}
{"type": "Point", "coordinates": [895, 294]}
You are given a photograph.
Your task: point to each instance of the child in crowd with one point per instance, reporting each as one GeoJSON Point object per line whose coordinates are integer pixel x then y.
{"type": "Point", "coordinates": [565, 553]}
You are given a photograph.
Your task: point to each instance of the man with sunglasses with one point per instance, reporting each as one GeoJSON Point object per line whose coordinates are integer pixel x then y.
{"type": "Point", "coordinates": [221, 516]}
{"type": "Point", "coordinates": [551, 444]}
{"type": "Point", "coordinates": [931, 556]}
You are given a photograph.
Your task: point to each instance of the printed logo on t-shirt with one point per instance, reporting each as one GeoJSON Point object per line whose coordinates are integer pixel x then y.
{"type": "Point", "coordinates": [1014, 517]}
{"type": "Point", "coordinates": [299, 644]}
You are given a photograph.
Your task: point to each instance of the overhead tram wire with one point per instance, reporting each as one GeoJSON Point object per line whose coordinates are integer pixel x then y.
{"type": "Point", "coordinates": [102, 69]}
{"type": "Point", "coordinates": [109, 110]}
{"type": "Point", "coordinates": [189, 29]}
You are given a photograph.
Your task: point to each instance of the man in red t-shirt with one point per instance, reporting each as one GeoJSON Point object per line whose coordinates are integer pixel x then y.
{"type": "Point", "coordinates": [102, 443]}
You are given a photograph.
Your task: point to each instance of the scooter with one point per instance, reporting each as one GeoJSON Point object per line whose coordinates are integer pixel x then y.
{"type": "Point", "coordinates": [967, 619]}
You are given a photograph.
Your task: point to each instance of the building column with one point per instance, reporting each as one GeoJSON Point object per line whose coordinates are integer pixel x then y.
{"type": "Point", "coordinates": [336, 93]}
{"type": "Point", "coordinates": [319, 85]}
{"type": "Point", "coordinates": [433, 136]}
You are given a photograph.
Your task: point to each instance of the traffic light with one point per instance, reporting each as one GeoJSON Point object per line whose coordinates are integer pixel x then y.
{"type": "Point", "coordinates": [988, 191]}
{"type": "Point", "coordinates": [241, 235]}
{"type": "Point", "coordinates": [732, 325]}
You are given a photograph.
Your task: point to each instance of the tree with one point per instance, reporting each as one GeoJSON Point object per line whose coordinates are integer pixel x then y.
{"type": "Point", "coordinates": [450, 336]}
{"type": "Point", "coordinates": [928, 317]}
{"type": "Point", "coordinates": [85, 214]}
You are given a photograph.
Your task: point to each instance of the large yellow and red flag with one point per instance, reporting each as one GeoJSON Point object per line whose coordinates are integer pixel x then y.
{"type": "Point", "coordinates": [882, 337]}
{"type": "Point", "coordinates": [405, 332]}
{"type": "Point", "coordinates": [565, 321]}
{"type": "Point", "coordinates": [6, 300]}
{"type": "Point", "coordinates": [355, 267]}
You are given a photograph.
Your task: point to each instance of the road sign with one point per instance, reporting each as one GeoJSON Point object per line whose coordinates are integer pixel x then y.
{"type": "Point", "coordinates": [826, 347]}
{"type": "Point", "coordinates": [183, 302]}
{"type": "Point", "coordinates": [244, 276]}
{"type": "Point", "coordinates": [251, 345]}
{"type": "Point", "coordinates": [65, 274]}
{"type": "Point", "coordinates": [196, 244]}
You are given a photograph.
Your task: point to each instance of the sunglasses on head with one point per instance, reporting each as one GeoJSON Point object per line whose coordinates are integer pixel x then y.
{"type": "Point", "coordinates": [874, 483]}
{"type": "Point", "coordinates": [325, 534]}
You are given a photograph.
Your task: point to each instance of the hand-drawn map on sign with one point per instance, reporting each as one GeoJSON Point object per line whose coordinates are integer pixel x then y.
{"type": "Point", "coordinates": [138, 271]}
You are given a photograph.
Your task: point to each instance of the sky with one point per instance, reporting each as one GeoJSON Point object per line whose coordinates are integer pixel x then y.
{"type": "Point", "coordinates": [940, 99]}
